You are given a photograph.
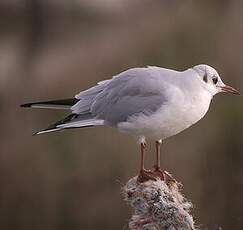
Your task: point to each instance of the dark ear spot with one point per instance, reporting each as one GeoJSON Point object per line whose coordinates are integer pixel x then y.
{"type": "Point", "coordinates": [215, 80]}
{"type": "Point", "coordinates": [205, 78]}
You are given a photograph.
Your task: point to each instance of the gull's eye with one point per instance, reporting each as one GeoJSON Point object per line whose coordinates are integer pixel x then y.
{"type": "Point", "coordinates": [215, 80]}
{"type": "Point", "coordinates": [205, 78]}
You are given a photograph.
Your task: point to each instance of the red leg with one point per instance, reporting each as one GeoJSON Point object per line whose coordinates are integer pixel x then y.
{"type": "Point", "coordinates": [144, 175]}
{"type": "Point", "coordinates": [157, 169]}
{"type": "Point", "coordinates": [142, 150]}
{"type": "Point", "coordinates": [158, 144]}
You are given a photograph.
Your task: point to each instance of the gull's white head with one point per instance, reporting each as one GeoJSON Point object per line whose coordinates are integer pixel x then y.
{"type": "Point", "coordinates": [211, 80]}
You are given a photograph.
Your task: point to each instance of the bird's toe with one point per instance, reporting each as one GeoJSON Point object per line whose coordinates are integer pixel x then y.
{"type": "Point", "coordinates": [146, 175]}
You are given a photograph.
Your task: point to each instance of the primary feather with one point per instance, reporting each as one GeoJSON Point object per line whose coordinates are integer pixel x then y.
{"type": "Point", "coordinates": [55, 104]}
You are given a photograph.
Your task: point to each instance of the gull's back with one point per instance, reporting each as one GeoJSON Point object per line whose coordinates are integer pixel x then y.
{"type": "Point", "coordinates": [137, 90]}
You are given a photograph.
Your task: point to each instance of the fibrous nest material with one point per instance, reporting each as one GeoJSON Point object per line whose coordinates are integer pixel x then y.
{"type": "Point", "coordinates": [158, 205]}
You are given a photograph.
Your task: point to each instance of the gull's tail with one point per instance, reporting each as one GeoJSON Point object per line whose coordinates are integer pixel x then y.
{"type": "Point", "coordinates": [73, 121]}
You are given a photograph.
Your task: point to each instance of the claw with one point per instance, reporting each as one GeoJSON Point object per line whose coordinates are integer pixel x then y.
{"type": "Point", "coordinates": [169, 177]}
{"type": "Point", "coordinates": [146, 175]}
{"type": "Point", "coordinates": [164, 175]}
{"type": "Point", "coordinates": [159, 173]}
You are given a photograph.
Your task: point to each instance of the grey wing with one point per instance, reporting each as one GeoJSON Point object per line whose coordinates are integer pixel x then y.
{"type": "Point", "coordinates": [135, 91]}
{"type": "Point", "coordinates": [86, 98]}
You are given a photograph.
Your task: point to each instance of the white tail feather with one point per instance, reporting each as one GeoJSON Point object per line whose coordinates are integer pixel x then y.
{"type": "Point", "coordinates": [82, 123]}
{"type": "Point", "coordinates": [47, 131]}
{"type": "Point", "coordinates": [45, 106]}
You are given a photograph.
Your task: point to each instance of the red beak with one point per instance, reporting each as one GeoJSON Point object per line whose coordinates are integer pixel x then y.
{"type": "Point", "coordinates": [229, 89]}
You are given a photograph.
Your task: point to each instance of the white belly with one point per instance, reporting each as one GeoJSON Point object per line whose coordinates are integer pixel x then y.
{"type": "Point", "coordinates": [169, 120]}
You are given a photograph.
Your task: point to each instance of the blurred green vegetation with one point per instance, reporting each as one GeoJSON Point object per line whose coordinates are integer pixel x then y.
{"type": "Point", "coordinates": [71, 180]}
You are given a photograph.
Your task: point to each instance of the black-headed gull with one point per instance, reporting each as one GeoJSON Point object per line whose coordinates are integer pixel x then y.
{"type": "Point", "coordinates": [148, 103]}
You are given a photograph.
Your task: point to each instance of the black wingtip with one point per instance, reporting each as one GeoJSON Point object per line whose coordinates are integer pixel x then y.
{"type": "Point", "coordinates": [27, 105]}
{"type": "Point", "coordinates": [64, 102]}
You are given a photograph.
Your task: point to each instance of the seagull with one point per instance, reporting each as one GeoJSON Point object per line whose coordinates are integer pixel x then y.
{"type": "Point", "coordinates": [149, 103]}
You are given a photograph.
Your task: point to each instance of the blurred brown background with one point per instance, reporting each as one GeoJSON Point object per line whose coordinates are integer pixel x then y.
{"type": "Point", "coordinates": [71, 180]}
